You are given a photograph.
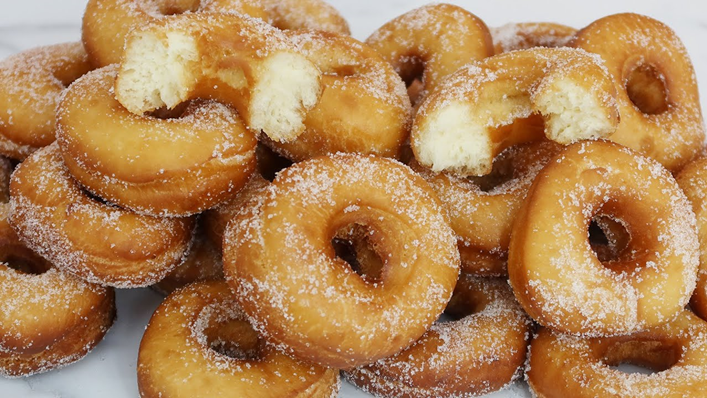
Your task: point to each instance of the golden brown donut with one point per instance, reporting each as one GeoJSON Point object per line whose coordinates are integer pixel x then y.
{"type": "Point", "coordinates": [106, 23]}
{"type": "Point", "coordinates": [356, 79]}
{"type": "Point", "coordinates": [31, 84]}
{"type": "Point", "coordinates": [162, 167]}
{"type": "Point", "coordinates": [482, 209]}
{"type": "Point", "coordinates": [432, 42]}
{"type": "Point", "coordinates": [48, 319]}
{"type": "Point", "coordinates": [96, 241]}
{"type": "Point", "coordinates": [693, 181]}
{"type": "Point", "coordinates": [524, 35]}
{"type": "Point", "coordinates": [305, 14]}
{"type": "Point", "coordinates": [655, 83]}
{"type": "Point", "coordinates": [567, 366]}
{"type": "Point", "coordinates": [279, 259]}
{"type": "Point", "coordinates": [203, 263]}
{"type": "Point", "coordinates": [558, 278]}
{"type": "Point", "coordinates": [231, 58]}
{"type": "Point", "coordinates": [461, 127]}
{"type": "Point", "coordinates": [219, 353]}
{"type": "Point", "coordinates": [479, 352]}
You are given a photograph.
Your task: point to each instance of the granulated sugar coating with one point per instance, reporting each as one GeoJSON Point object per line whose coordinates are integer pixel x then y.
{"type": "Point", "coordinates": [299, 294]}
{"type": "Point", "coordinates": [554, 272]}
{"type": "Point", "coordinates": [524, 35]}
{"type": "Point", "coordinates": [31, 84]}
{"type": "Point", "coordinates": [471, 356]}
{"type": "Point", "coordinates": [51, 214]}
{"type": "Point", "coordinates": [198, 320]}
{"type": "Point", "coordinates": [570, 366]}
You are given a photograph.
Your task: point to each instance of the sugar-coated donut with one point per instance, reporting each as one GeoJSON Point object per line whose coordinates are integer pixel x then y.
{"type": "Point", "coordinates": [48, 319]}
{"type": "Point", "coordinates": [305, 14]}
{"type": "Point", "coordinates": [95, 241]}
{"type": "Point", "coordinates": [220, 354]}
{"type": "Point", "coordinates": [476, 354]}
{"type": "Point", "coordinates": [656, 86]}
{"type": "Point", "coordinates": [202, 263]}
{"type": "Point", "coordinates": [106, 23]}
{"type": "Point", "coordinates": [524, 35]}
{"type": "Point", "coordinates": [463, 125]}
{"type": "Point", "coordinates": [279, 258]}
{"type": "Point", "coordinates": [558, 278]}
{"type": "Point", "coordinates": [175, 167]}
{"type": "Point", "coordinates": [693, 181]}
{"type": "Point", "coordinates": [355, 78]}
{"type": "Point", "coordinates": [231, 58]}
{"type": "Point", "coordinates": [481, 210]}
{"type": "Point", "coordinates": [563, 366]}
{"type": "Point", "coordinates": [31, 84]}
{"type": "Point", "coordinates": [432, 42]}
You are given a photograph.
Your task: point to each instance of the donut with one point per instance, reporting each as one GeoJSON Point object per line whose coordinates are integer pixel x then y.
{"type": "Point", "coordinates": [432, 42]}
{"type": "Point", "coordinates": [460, 127]}
{"type": "Point", "coordinates": [525, 35]}
{"type": "Point", "coordinates": [279, 259]}
{"type": "Point", "coordinates": [693, 181]}
{"type": "Point", "coordinates": [81, 234]}
{"type": "Point", "coordinates": [355, 78]}
{"type": "Point", "coordinates": [162, 167]}
{"type": "Point", "coordinates": [655, 83]}
{"type": "Point", "coordinates": [203, 263]}
{"type": "Point", "coordinates": [106, 23]}
{"type": "Point", "coordinates": [306, 15]}
{"type": "Point", "coordinates": [479, 352]}
{"type": "Point", "coordinates": [571, 366]}
{"type": "Point", "coordinates": [48, 319]}
{"type": "Point", "coordinates": [482, 209]}
{"type": "Point", "coordinates": [556, 276]}
{"type": "Point", "coordinates": [31, 84]}
{"type": "Point", "coordinates": [231, 58]}
{"type": "Point", "coordinates": [220, 354]}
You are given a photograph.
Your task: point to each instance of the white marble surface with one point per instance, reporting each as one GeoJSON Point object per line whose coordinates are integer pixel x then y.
{"type": "Point", "coordinates": [109, 371]}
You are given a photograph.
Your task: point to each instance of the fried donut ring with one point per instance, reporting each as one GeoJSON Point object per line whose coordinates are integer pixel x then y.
{"type": "Point", "coordinates": [31, 83]}
{"type": "Point", "coordinates": [481, 210]}
{"type": "Point", "coordinates": [305, 14]}
{"type": "Point", "coordinates": [568, 366]}
{"type": "Point", "coordinates": [459, 127]}
{"type": "Point", "coordinates": [355, 78]}
{"type": "Point", "coordinates": [655, 83]}
{"type": "Point", "coordinates": [231, 58]}
{"type": "Point", "coordinates": [525, 35]}
{"type": "Point", "coordinates": [52, 215]}
{"type": "Point", "coordinates": [203, 263]}
{"type": "Point", "coordinates": [48, 319]}
{"type": "Point", "coordinates": [693, 180]}
{"type": "Point", "coordinates": [333, 316]}
{"type": "Point", "coordinates": [432, 42]}
{"type": "Point", "coordinates": [173, 167]}
{"type": "Point", "coordinates": [218, 346]}
{"type": "Point", "coordinates": [555, 274]}
{"type": "Point", "coordinates": [105, 45]}
{"type": "Point", "coordinates": [479, 353]}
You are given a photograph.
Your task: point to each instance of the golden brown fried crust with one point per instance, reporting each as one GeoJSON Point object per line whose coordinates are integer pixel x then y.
{"type": "Point", "coordinates": [525, 35]}
{"type": "Point", "coordinates": [556, 275]}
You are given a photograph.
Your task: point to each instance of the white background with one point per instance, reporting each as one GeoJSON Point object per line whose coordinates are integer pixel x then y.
{"type": "Point", "coordinates": [109, 371]}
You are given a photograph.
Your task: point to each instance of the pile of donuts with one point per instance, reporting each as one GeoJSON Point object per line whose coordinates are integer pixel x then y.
{"type": "Point", "coordinates": [435, 212]}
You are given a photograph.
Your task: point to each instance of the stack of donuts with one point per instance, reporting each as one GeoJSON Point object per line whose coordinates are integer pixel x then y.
{"type": "Point", "coordinates": [435, 212]}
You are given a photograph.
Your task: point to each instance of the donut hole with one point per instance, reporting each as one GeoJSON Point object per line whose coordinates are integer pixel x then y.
{"type": "Point", "coordinates": [608, 238]}
{"type": "Point", "coordinates": [165, 113]}
{"type": "Point", "coordinates": [645, 86]}
{"type": "Point", "coordinates": [464, 303]}
{"type": "Point", "coordinates": [233, 338]}
{"type": "Point", "coordinates": [23, 260]}
{"type": "Point", "coordinates": [176, 7]}
{"type": "Point", "coordinates": [648, 356]}
{"type": "Point", "coordinates": [353, 246]}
